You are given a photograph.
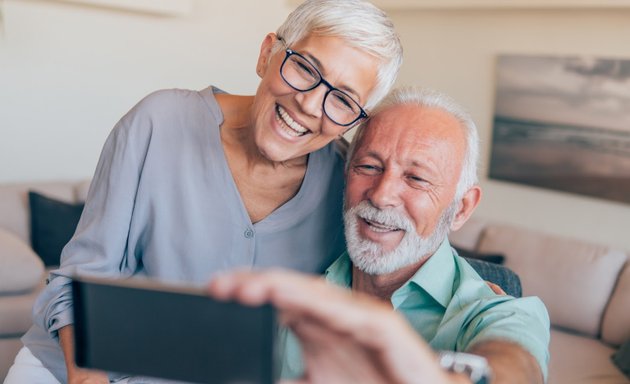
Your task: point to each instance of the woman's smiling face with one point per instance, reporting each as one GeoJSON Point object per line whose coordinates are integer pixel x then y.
{"type": "Point", "coordinates": [289, 124]}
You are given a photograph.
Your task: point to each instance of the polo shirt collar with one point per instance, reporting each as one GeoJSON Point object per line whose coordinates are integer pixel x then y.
{"type": "Point", "coordinates": [340, 272]}
{"type": "Point", "coordinates": [435, 277]}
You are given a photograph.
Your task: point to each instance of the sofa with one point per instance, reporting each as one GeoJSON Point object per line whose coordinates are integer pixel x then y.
{"type": "Point", "coordinates": [22, 272]}
{"type": "Point", "coordinates": [585, 287]}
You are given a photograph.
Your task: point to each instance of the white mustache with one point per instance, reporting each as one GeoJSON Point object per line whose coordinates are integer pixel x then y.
{"type": "Point", "coordinates": [387, 217]}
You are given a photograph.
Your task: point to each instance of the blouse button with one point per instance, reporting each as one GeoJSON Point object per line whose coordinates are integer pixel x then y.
{"type": "Point", "coordinates": [249, 233]}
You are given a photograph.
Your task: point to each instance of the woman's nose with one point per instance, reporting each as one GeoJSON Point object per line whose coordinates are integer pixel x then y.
{"type": "Point", "coordinates": [312, 102]}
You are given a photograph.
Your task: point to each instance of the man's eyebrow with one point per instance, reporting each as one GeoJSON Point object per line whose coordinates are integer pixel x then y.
{"type": "Point", "coordinates": [344, 88]}
{"type": "Point", "coordinates": [425, 165]}
{"type": "Point", "coordinates": [369, 154]}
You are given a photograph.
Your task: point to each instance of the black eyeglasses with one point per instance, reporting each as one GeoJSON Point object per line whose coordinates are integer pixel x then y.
{"type": "Point", "coordinates": [300, 74]}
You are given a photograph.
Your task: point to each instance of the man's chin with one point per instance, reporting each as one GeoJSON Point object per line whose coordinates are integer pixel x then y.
{"type": "Point", "coordinates": [387, 241]}
{"type": "Point", "coordinates": [371, 259]}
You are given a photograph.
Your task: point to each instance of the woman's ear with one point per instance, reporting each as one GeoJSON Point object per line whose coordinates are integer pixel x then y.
{"type": "Point", "coordinates": [467, 206]}
{"type": "Point", "coordinates": [265, 54]}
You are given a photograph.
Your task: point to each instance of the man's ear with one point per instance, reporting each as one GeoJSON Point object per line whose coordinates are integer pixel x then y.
{"type": "Point", "coordinates": [467, 206]}
{"type": "Point", "coordinates": [265, 54]}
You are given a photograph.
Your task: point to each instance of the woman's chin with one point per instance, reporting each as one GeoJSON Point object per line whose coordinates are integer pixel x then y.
{"type": "Point", "coordinates": [277, 154]}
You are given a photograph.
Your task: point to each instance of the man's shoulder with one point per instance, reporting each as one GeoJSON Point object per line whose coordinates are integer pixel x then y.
{"type": "Point", "coordinates": [474, 297]}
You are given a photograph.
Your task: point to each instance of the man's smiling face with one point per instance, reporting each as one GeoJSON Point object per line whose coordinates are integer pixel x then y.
{"type": "Point", "coordinates": [402, 180]}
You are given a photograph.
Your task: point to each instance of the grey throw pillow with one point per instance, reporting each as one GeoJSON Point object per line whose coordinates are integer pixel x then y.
{"type": "Point", "coordinates": [621, 358]}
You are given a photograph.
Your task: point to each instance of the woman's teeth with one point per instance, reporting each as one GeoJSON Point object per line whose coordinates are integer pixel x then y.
{"type": "Point", "coordinates": [289, 125]}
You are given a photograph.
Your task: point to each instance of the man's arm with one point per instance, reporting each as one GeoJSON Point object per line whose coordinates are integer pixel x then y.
{"type": "Point", "coordinates": [346, 337]}
{"type": "Point", "coordinates": [510, 363]}
{"type": "Point", "coordinates": [351, 337]}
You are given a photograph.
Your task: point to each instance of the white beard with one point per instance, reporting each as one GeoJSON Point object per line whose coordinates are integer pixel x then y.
{"type": "Point", "coordinates": [370, 257]}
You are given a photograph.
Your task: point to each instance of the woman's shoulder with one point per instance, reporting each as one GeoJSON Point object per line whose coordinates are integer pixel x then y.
{"type": "Point", "coordinates": [168, 99]}
{"type": "Point", "coordinates": [341, 146]}
{"type": "Point", "coordinates": [329, 162]}
{"type": "Point", "coordinates": [174, 115]}
{"type": "Point", "coordinates": [173, 106]}
{"type": "Point", "coordinates": [335, 153]}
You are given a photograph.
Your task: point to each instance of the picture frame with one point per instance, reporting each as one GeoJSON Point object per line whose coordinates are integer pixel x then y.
{"type": "Point", "coordinates": [563, 123]}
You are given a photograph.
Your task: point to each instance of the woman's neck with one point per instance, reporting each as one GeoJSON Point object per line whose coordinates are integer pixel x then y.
{"type": "Point", "coordinates": [263, 185]}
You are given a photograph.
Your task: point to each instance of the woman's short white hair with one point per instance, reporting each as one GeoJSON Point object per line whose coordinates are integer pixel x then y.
{"type": "Point", "coordinates": [429, 98]}
{"type": "Point", "coordinates": [360, 24]}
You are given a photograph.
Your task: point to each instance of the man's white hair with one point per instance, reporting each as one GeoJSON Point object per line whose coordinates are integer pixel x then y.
{"type": "Point", "coordinates": [429, 98]}
{"type": "Point", "coordinates": [360, 24]}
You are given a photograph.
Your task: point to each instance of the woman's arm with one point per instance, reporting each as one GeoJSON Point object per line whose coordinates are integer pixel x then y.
{"type": "Point", "coordinates": [77, 375]}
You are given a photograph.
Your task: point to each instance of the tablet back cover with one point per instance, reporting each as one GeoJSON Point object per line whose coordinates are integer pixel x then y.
{"type": "Point", "coordinates": [182, 336]}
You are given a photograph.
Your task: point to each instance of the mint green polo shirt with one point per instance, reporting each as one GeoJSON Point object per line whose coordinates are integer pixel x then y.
{"type": "Point", "coordinates": [452, 308]}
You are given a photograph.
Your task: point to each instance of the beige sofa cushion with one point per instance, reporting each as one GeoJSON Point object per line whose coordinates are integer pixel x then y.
{"type": "Point", "coordinates": [574, 279]}
{"type": "Point", "coordinates": [579, 359]}
{"type": "Point", "coordinates": [468, 236]}
{"type": "Point", "coordinates": [16, 311]}
{"type": "Point", "coordinates": [82, 190]}
{"type": "Point", "coordinates": [20, 268]}
{"type": "Point", "coordinates": [616, 323]}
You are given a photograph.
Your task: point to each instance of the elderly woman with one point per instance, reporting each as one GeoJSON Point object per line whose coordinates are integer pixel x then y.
{"type": "Point", "coordinates": [193, 183]}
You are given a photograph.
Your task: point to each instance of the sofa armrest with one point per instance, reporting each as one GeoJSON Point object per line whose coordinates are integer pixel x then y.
{"type": "Point", "coordinates": [616, 323]}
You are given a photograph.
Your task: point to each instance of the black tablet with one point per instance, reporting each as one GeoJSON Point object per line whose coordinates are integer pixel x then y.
{"type": "Point", "coordinates": [149, 329]}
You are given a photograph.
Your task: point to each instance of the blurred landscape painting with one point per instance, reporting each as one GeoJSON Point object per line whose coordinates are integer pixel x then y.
{"type": "Point", "coordinates": [563, 123]}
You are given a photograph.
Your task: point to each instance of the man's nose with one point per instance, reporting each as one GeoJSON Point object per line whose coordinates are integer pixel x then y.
{"type": "Point", "coordinates": [385, 192]}
{"type": "Point", "coordinates": [312, 102]}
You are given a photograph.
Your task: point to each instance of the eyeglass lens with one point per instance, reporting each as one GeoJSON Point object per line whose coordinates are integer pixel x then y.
{"type": "Point", "coordinates": [300, 74]}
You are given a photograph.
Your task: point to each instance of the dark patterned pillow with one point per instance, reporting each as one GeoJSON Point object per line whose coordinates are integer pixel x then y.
{"type": "Point", "coordinates": [489, 257]}
{"type": "Point", "coordinates": [53, 223]}
{"type": "Point", "coordinates": [621, 358]}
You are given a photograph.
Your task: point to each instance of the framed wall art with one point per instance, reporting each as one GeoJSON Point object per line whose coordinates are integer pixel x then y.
{"type": "Point", "coordinates": [563, 123]}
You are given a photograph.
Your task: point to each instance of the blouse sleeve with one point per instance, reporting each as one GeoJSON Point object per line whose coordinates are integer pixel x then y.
{"type": "Point", "coordinates": [100, 243]}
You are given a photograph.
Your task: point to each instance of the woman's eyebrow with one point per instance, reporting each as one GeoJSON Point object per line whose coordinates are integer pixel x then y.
{"type": "Point", "coordinates": [320, 67]}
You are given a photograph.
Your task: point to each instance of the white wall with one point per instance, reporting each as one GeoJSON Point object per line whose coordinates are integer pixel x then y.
{"type": "Point", "coordinates": [69, 72]}
{"type": "Point", "coordinates": [455, 50]}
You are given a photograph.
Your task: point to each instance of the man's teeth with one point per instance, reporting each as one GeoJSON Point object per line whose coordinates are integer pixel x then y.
{"type": "Point", "coordinates": [378, 227]}
{"type": "Point", "coordinates": [290, 126]}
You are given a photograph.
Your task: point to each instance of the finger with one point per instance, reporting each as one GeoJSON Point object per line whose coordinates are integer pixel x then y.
{"type": "Point", "coordinates": [298, 295]}
{"type": "Point", "coordinates": [243, 286]}
{"type": "Point", "coordinates": [223, 285]}
{"type": "Point", "coordinates": [496, 288]}
{"type": "Point", "coordinates": [270, 285]}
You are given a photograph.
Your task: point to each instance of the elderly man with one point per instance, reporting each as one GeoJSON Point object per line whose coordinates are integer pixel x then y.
{"type": "Point", "coordinates": [411, 178]}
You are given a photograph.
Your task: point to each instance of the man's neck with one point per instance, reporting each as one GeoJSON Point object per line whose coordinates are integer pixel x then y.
{"type": "Point", "coordinates": [383, 286]}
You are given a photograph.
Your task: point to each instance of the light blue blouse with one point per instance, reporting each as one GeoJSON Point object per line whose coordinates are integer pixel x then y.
{"type": "Point", "coordinates": [163, 204]}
